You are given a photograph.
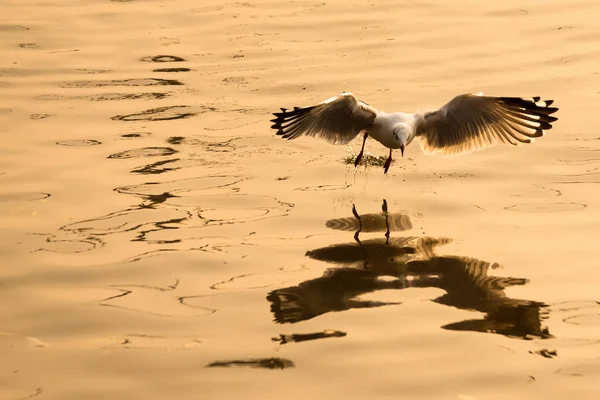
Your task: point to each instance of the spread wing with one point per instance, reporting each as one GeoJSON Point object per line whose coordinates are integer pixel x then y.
{"type": "Point", "coordinates": [337, 120]}
{"type": "Point", "coordinates": [472, 122]}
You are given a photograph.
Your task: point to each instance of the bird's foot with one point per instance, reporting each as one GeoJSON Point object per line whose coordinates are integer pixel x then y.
{"type": "Point", "coordinates": [387, 164]}
{"type": "Point", "coordinates": [358, 158]}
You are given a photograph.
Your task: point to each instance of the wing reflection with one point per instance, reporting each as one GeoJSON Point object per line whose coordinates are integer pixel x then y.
{"type": "Point", "coordinates": [469, 287]}
{"type": "Point", "coordinates": [334, 291]}
{"type": "Point", "coordinates": [396, 263]}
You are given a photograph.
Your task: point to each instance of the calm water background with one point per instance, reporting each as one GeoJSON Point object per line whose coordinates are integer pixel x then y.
{"type": "Point", "coordinates": [153, 226]}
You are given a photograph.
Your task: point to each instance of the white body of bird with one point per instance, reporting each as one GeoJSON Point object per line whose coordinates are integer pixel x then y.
{"type": "Point", "coordinates": [385, 124]}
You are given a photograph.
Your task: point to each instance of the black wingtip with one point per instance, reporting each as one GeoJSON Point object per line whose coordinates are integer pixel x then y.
{"type": "Point", "coordinates": [531, 105]}
{"type": "Point", "coordinates": [290, 119]}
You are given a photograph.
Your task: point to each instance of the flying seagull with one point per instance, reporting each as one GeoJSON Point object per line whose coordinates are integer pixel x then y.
{"type": "Point", "coordinates": [469, 122]}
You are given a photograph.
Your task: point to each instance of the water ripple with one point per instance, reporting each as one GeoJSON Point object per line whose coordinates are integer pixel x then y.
{"type": "Point", "coordinates": [121, 82]}
{"type": "Point", "coordinates": [172, 70]}
{"type": "Point", "coordinates": [79, 142]}
{"type": "Point", "coordinates": [164, 113]}
{"type": "Point", "coordinates": [144, 152]}
{"type": "Point", "coordinates": [162, 58]}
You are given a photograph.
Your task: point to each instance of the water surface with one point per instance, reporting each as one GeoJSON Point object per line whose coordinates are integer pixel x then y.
{"type": "Point", "coordinates": [158, 240]}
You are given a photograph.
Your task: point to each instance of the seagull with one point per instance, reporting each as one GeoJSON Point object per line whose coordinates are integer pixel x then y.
{"type": "Point", "coordinates": [467, 123]}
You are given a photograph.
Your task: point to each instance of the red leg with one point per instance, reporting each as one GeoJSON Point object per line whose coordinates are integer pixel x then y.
{"type": "Point", "coordinates": [359, 156]}
{"type": "Point", "coordinates": [386, 166]}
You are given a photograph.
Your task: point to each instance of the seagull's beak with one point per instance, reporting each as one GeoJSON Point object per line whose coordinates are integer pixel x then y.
{"type": "Point", "coordinates": [402, 149]}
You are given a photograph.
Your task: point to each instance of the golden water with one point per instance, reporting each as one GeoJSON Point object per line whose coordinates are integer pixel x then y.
{"type": "Point", "coordinates": [157, 240]}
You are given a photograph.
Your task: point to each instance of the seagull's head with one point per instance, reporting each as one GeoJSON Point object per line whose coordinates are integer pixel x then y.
{"type": "Point", "coordinates": [401, 134]}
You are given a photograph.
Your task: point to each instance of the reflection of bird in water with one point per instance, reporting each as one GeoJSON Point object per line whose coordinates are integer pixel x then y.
{"type": "Point", "coordinates": [412, 262]}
